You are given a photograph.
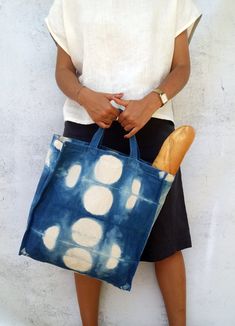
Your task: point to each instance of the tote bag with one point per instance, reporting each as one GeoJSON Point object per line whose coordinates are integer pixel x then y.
{"type": "Point", "coordinates": [94, 208]}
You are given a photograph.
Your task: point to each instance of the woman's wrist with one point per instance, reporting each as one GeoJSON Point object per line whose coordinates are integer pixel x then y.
{"type": "Point", "coordinates": [78, 92]}
{"type": "Point", "coordinates": [82, 94]}
{"type": "Point", "coordinates": [153, 101]}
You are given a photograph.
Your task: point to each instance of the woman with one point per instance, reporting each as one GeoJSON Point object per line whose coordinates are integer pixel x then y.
{"type": "Point", "coordinates": [111, 56]}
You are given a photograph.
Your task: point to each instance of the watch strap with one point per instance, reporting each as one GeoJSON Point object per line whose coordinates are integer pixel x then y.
{"type": "Point", "coordinates": [158, 90]}
{"type": "Point", "coordinates": [162, 95]}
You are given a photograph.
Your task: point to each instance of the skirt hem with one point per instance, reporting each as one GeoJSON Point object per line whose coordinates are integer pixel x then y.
{"type": "Point", "coordinates": [180, 247]}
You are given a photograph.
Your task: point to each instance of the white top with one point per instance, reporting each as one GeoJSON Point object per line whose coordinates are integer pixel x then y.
{"type": "Point", "coordinates": [121, 45]}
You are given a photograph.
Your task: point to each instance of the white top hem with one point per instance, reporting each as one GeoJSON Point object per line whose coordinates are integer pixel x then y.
{"type": "Point", "coordinates": [87, 122]}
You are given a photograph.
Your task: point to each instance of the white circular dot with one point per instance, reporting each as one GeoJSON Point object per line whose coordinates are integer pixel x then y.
{"type": "Point", "coordinates": [98, 200]}
{"type": "Point", "coordinates": [50, 236]}
{"type": "Point", "coordinates": [78, 259]}
{"type": "Point", "coordinates": [86, 232]}
{"type": "Point", "coordinates": [112, 263]}
{"type": "Point", "coordinates": [169, 177]}
{"type": "Point", "coordinates": [131, 202]}
{"type": "Point", "coordinates": [136, 186]}
{"type": "Point", "coordinates": [108, 169]}
{"type": "Point", "coordinates": [115, 251]}
{"type": "Point", "coordinates": [58, 144]}
{"type": "Point", "coordinates": [73, 175]}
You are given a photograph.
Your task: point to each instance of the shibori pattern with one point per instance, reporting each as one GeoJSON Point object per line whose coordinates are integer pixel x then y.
{"type": "Point", "coordinates": [94, 208]}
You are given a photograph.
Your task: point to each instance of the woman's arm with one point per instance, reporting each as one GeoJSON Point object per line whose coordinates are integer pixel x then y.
{"type": "Point", "coordinates": [179, 74]}
{"type": "Point", "coordinates": [97, 104]}
{"type": "Point", "coordinates": [138, 112]}
{"type": "Point", "coordinates": [65, 75]}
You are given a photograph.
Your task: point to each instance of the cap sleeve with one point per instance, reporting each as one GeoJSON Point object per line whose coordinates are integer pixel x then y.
{"type": "Point", "coordinates": [55, 24]}
{"type": "Point", "coordinates": [187, 17]}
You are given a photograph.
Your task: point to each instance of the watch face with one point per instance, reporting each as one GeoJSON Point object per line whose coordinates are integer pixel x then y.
{"type": "Point", "coordinates": [164, 98]}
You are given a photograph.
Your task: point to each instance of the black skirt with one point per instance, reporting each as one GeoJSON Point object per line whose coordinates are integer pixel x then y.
{"type": "Point", "coordinates": [170, 231]}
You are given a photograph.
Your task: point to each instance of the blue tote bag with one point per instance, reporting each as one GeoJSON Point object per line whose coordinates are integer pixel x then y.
{"type": "Point", "coordinates": [94, 208]}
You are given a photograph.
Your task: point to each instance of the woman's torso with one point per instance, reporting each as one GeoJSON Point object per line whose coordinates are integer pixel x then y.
{"type": "Point", "coordinates": [118, 46]}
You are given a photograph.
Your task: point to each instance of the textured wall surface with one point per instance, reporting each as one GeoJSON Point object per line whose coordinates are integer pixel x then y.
{"type": "Point", "coordinates": [31, 110]}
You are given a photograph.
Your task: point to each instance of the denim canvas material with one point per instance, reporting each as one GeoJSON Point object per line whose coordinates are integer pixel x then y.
{"type": "Point", "coordinates": [94, 208]}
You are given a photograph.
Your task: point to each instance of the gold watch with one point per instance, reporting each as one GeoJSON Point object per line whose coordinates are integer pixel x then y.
{"type": "Point", "coordinates": [162, 95]}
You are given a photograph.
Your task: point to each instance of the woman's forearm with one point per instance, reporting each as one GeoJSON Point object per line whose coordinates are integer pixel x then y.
{"type": "Point", "coordinates": [171, 85]}
{"type": "Point", "coordinates": [68, 82]}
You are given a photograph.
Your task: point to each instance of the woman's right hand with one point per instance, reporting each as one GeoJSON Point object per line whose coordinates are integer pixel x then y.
{"type": "Point", "coordinates": [98, 106]}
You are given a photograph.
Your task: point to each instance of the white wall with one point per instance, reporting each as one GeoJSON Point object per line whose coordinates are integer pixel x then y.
{"type": "Point", "coordinates": [33, 293]}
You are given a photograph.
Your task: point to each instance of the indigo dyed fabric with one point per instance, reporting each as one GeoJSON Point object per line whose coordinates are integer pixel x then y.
{"type": "Point", "coordinates": [94, 208]}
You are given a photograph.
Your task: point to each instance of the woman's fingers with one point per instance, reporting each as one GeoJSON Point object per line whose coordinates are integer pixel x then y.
{"type": "Point", "coordinates": [128, 127]}
{"type": "Point", "coordinates": [108, 113]}
{"type": "Point", "coordinates": [131, 133]}
{"type": "Point", "coordinates": [110, 96]}
{"type": "Point", "coordinates": [121, 101]}
{"type": "Point", "coordinates": [103, 124]}
{"type": "Point", "coordinates": [111, 115]}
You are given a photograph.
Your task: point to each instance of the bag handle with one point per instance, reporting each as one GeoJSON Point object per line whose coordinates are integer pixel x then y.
{"type": "Point", "coordinates": [98, 136]}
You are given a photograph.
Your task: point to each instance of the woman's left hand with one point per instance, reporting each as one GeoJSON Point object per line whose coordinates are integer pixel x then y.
{"type": "Point", "coordinates": [136, 114]}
